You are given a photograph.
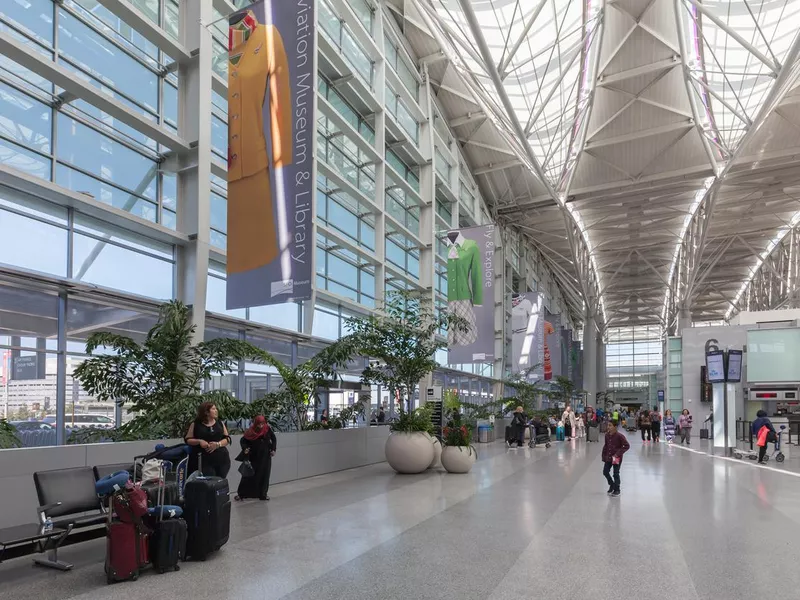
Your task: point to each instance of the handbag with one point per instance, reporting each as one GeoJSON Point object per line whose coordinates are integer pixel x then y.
{"type": "Point", "coordinates": [246, 469]}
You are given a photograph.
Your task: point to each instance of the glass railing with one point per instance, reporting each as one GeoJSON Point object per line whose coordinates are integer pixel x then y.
{"type": "Point", "coordinates": [341, 37]}
{"type": "Point", "coordinates": [399, 111]}
{"type": "Point", "coordinates": [442, 166]}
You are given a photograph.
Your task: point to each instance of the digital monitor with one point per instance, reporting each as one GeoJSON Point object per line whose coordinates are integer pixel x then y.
{"type": "Point", "coordinates": [715, 365]}
{"type": "Point", "coordinates": [734, 373]}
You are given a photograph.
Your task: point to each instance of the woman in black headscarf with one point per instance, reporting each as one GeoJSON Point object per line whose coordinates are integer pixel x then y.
{"type": "Point", "coordinates": [259, 445]}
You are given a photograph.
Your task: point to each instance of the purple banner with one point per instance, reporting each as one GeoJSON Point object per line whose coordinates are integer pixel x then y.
{"type": "Point", "coordinates": [271, 132]}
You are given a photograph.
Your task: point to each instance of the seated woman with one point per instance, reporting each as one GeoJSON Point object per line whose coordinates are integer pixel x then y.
{"type": "Point", "coordinates": [259, 445]}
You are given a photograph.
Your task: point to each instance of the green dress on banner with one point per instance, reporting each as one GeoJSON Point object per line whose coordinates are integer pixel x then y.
{"type": "Point", "coordinates": [464, 288]}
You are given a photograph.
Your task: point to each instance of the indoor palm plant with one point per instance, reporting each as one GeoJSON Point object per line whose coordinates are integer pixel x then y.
{"type": "Point", "coordinates": [458, 454]}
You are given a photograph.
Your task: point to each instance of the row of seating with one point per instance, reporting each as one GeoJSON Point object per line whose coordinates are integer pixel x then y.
{"type": "Point", "coordinates": [68, 499]}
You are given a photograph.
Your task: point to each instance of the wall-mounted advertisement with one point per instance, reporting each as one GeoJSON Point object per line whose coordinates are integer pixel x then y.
{"type": "Point", "coordinates": [552, 346]}
{"type": "Point", "coordinates": [271, 129]}
{"type": "Point", "coordinates": [470, 292]}
{"type": "Point", "coordinates": [527, 332]}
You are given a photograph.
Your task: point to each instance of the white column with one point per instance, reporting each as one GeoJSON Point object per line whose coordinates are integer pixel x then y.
{"type": "Point", "coordinates": [590, 359]}
{"type": "Point", "coordinates": [684, 319]}
{"type": "Point", "coordinates": [194, 172]}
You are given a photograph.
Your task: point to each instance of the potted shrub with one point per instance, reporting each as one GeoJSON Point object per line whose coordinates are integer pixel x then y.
{"type": "Point", "coordinates": [409, 448]}
{"type": "Point", "coordinates": [458, 454]}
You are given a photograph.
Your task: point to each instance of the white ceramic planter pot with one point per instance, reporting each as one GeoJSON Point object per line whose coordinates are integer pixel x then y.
{"type": "Point", "coordinates": [437, 451]}
{"type": "Point", "coordinates": [458, 459]}
{"type": "Point", "coordinates": [409, 453]}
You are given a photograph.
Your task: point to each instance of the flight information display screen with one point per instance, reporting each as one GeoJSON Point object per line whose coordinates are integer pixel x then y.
{"type": "Point", "coordinates": [734, 365]}
{"type": "Point", "coordinates": [715, 363]}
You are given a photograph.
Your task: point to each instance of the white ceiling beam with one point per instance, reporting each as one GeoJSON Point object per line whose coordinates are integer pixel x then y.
{"type": "Point", "coordinates": [504, 62]}
{"type": "Point", "coordinates": [470, 117]}
{"type": "Point", "coordinates": [775, 67]}
{"type": "Point", "coordinates": [433, 58]}
{"type": "Point", "coordinates": [451, 90]}
{"type": "Point", "coordinates": [491, 168]}
{"type": "Point", "coordinates": [659, 65]}
{"type": "Point", "coordinates": [638, 135]}
{"type": "Point", "coordinates": [486, 146]}
{"type": "Point", "coordinates": [62, 77]}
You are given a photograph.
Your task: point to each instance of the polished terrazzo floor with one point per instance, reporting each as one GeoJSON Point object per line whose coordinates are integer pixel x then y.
{"type": "Point", "coordinates": [524, 524]}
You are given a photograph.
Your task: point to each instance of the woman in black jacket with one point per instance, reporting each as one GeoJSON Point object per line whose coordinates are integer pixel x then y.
{"type": "Point", "coordinates": [259, 445]}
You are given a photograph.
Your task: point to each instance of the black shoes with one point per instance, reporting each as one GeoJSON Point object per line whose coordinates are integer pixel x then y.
{"type": "Point", "coordinates": [616, 494]}
{"type": "Point", "coordinates": [610, 490]}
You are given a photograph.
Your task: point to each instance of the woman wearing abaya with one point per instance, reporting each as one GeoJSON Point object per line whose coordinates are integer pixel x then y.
{"type": "Point", "coordinates": [258, 446]}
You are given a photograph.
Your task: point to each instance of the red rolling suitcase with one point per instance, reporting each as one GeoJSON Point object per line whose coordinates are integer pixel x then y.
{"type": "Point", "coordinates": [207, 510]}
{"type": "Point", "coordinates": [126, 549]}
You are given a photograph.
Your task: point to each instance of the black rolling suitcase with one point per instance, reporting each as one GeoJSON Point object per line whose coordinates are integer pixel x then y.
{"type": "Point", "coordinates": [168, 539]}
{"type": "Point", "coordinates": [207, 509]}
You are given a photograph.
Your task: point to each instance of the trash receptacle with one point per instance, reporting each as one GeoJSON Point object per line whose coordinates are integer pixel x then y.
{"type": "Point", "coordinates": [483, 435]}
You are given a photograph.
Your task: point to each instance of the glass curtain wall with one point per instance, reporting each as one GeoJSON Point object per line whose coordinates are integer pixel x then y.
{"type": "Point", "coordinates": [634, 360]}
{"type": "Point", "coordinates": [106, 215]}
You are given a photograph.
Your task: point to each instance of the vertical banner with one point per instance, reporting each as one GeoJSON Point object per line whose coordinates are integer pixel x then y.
{"type": "Point", "coordinates": [578, 366]}
{"type": "Point", "coordinates": [470, 292]}
{"type": "Point", "coordinates": [271, 132]}
{"type": "Point", "coordinates": [527, 332]}
{"type": "Point", "coordinates": [552, 345]}
{"type": "Point", "coordinates": [566, 347]}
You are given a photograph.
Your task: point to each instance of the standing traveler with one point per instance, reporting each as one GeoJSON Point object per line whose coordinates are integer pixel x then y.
{"type": "Point", "coordinates": [259, 445]}
{"type": "Point", "coordinates": [324, 417]}
{"type": "Point", "coordinates": [615, 446]}
{"type": "Point", "coordinates": [669, 426]}
{"type": "Point", "coordinates": [645, 424]}
{"type": "Point", "coordinates": [209, 436]}
{"type": "Point", "coordinates": [589, 419]}
{"type": "Point", "coordinates": [381, 415]}
{"type": "Point", "coordinates": [685, 423]}
{"type": "Point", "coordinates": [518, 424]}
{"type": "Point", "coordinates": [655, 424]}
{"type": "Point", "coordinates": [569, 422]}
{"type": "Point", "coordinates": [765, 433]}
{"type": "Point", "coordinates": [580, 427]}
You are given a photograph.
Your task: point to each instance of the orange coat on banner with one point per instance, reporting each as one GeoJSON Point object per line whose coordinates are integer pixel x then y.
{"type": "Point", "coordinates": [257, 63]}
{"type": "Point", "coordinates": [762, 436]}
{"type": "Point", "coordinates": [548, 362]}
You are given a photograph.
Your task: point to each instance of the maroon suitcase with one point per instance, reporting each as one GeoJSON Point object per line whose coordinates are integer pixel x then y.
{"type": "Point", "coordinates": [126, 552]}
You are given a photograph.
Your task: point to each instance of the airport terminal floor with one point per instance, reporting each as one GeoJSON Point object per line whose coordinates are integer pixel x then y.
{"type": "Point", "coordinates": [524, 524]}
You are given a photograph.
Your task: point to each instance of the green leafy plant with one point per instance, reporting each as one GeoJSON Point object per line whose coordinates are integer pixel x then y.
{"type": "Point", "coordinates": [401, 341]}
{"type": "Point", "coordinates": [415, 421]}
{"type": "Point", "coordinates": [563, 389]}
{"type": "Point", "coordinates": [160, 380]}
{"type": "Point", "coordinates": [8, 435]}
{"type": "Point", "coordinates": [303, 383]}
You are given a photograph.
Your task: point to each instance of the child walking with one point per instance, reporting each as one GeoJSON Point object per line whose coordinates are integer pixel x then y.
{"type": "Point", "coordinates": [616, 445]}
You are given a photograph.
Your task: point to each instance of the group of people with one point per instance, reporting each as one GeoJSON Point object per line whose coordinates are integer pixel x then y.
{"type": "Point", "coordinates": [651, 422]}
{"type": "Point", "coordinates": [208, 439]}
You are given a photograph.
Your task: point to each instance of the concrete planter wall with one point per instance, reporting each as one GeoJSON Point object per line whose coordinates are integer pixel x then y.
{"type": "Point", "coordinates": [300, 455]}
